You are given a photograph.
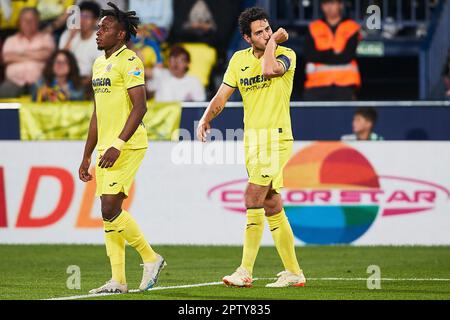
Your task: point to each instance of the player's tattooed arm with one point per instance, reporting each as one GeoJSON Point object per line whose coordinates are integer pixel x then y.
{"type": "Point", "coordinates": [214, 108]}
{"type": "Point", "coordinates": [217, 110]}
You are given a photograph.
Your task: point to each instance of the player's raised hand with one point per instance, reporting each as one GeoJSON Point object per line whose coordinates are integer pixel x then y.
{"type": "Point", "coordinates": [83, 172]}
{"type": "Point", "coordinates": [108, 159]}
{"type": "Point", "coordinates": [280, 35]}
{"type": "Point", "coordinates": [203, 130]}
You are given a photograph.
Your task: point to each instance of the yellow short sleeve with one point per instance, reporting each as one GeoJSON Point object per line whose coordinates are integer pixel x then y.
{"type": "Point", "coordinates": [133, 72]}
{"type": "Point", "coordinates": [230, 78]}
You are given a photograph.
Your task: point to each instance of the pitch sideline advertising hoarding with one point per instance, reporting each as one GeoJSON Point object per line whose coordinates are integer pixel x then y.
{"type": "Point", "coordinates": [361, 193]}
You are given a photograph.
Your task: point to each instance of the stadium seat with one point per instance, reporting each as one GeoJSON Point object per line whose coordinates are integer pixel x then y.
{"type": "Point", "coordinates": [203, 59]}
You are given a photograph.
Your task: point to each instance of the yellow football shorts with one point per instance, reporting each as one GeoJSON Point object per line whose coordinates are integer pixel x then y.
{"type": "Point", "coordinates": [265, 163]}
{"type": "Point", "coordinates": [119, 178]}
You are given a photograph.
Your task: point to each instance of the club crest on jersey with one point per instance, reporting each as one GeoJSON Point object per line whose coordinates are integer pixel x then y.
{"type": "Point", "coordinates": [135, 72]}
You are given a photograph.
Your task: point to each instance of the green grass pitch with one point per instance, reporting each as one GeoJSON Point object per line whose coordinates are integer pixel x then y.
{"type": "Point", "coordinates": [411, 272]}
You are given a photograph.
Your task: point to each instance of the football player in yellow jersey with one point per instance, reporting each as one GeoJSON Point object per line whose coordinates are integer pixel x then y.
{"type": "Point", "coordinates": [264, 76]}
{"type": "Point", "coordinates": [117, 130]}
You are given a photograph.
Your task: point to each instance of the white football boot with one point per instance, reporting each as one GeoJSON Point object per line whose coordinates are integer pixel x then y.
{"type": "Point", "coordinates": [151, 273]}
{"type": "Point", "coordinates": [288, 279]}
{"type": "Point", "coordinates": [240, 278]}
{"type": "Point", "coordinates": [111, 286]}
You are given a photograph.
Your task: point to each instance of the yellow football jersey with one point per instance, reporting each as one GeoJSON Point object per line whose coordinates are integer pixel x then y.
{"type": "Point", "coordinates": [111, 78]}
{"type": "Point", "coordinates": [266, 101]}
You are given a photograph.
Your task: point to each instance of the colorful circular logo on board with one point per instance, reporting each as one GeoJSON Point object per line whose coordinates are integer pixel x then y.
{"type": "Point", "coordinates": [333, 195]}
{"type": "Point", "coordinates": [328, 166]}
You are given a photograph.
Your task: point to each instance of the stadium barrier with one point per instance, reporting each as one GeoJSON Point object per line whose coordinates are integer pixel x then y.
{"type": "Point", "coordinates": [398, 120]}
{"type": "Point", "coordinates": [70, 121]}
{"type": "Point", "coordinates": [384, 193]}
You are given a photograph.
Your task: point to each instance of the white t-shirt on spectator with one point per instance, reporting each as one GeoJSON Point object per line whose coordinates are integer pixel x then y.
{"type": "Point", "coordinates": [103, 4]}
{"type": "Point", "coordinates": [159, 12]}
{"type": "Point", "coordinates": [84, 50]}
{"type": "Point", "coordinates": [169, 88]}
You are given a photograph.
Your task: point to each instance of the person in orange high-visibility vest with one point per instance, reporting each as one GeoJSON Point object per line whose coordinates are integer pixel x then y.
{"type": "Point", "coordinates": [331, 69]}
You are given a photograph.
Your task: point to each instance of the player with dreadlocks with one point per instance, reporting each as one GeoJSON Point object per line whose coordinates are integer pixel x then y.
{"type": "Point", "coordinates": [116, 128]}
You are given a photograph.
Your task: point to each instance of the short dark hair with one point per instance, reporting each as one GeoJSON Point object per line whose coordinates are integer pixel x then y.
{"type": "Point", "coordinates": [176, 50]}
{"type": "Point", "coordinates": [92, 7]}
{"type": "Point", "coordinates": [128, 20]}
{"type": "Point", "coordinates": [248, 16]}
{"type": "Point", "coordinates": [368, 113]}
{"type": "Point", "coordinates": [29, 9]}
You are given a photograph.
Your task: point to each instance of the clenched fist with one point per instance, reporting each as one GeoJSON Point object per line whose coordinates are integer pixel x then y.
{"type": "Point", "coordinates": [280, 36]}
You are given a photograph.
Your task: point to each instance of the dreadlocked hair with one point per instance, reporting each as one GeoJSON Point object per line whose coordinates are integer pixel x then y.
{"type": "Point", "coordinates": [128, 20]}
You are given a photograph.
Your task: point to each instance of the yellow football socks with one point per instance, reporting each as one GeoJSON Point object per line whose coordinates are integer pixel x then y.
{"type": "Point", "coordinates": [253, 234]}
{"type": "Point", "coordinates": [284, 241]}
{"type": "Point", "coordinates": [115, 249]}
{"type": "Point", "coordinates": [130, 231]}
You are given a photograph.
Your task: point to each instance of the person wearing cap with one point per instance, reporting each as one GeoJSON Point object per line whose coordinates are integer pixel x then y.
{"type": "Point", "coordinates": [331, 69]}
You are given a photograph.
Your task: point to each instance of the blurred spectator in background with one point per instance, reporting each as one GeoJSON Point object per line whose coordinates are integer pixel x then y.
{"type": "Point", "coordinates": [446, 75]}
{"type": "Point", "coordinates": [81, 42]}
{"type": "Point", "coordinates": [147, 47]}
{"type": "Point", "coordinates": [9, 13]}
{"type": "Point", "coordinates": [200, 21]}
{"type": "Point", "coordinates": [53, 14]}
{"type": "Point", "coordinates": [330, 55]}
{"type": "Point", "coordinates": [204, 28]}
{"type": "Point", "coordinates": [25, 54]}
{"type": "Point", "coordinates": [157, 12]}
{"type": "Point", "coordinates": [364, 120]}
{"type": "Point", "coordinates": [205, 21]}
{"type": "Point", "coordinates": [173, 84]}
{"type": "Point", "coordinates": [155, 17]}
{"type": "Point", "coordinates": [61, 80]}
{"type": "Point", "coordinates": [122, 4]}
{"type": "Point", "coordinates": [195, 28]}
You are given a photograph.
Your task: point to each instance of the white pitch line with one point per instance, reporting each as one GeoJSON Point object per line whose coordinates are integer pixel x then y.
{"type": "Point", "coordinates": [365, 279]}
{"type": "Point", "coordinates": [206, 284]}
{"type": "Point", "coordinates": [381, 279]}
{"type": "Point", "coordinates": [136, 290]}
